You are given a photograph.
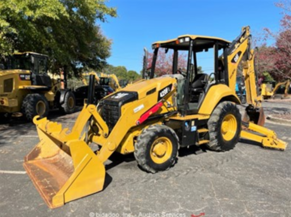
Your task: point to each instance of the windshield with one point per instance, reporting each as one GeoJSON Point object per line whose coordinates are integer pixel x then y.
{"type": "Point", "coordinates": [17, 62]}
{"type": "Point", "coordinates": [166, 63]}
{"type": "Point", "coordinates": [104, 81]}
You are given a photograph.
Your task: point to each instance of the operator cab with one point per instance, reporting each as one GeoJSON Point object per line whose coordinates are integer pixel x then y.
{"type": "Point", "coordinates": [193, 81]}
{"type": "Point", "coordinates": [34, 62]}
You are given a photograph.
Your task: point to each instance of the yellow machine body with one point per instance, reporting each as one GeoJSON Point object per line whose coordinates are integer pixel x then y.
{"type": "Point", "coordinates": [152, 119]}
{"type": "Point", "coordinates": [14, 89]}
{"type": "Point", "coordinates": [64, 168]}
{"type": "Point", "coordinates": [23, 76]}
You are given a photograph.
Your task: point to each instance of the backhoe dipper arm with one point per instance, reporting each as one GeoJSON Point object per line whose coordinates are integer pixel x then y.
{"type": "Point", "coordinates": [240, 52]}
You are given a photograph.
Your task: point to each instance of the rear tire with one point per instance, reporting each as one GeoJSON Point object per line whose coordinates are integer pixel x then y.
{"type": "Point", "coordinates": [69, 104]}
{"type": "Point", "coordinates": [224, 127]}
{"type": "Point", "coordinates": [35, 104]}
{"type": "Point", "coordinates": [156, 148]}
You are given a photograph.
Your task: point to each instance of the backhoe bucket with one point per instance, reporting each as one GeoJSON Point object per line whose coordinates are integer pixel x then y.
{"type": "Point", "coordinates": [62, 168]}
{"type": "Point", "coordinates": [256, 116]}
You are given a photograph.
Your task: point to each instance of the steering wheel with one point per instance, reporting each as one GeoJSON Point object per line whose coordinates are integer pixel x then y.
{"type": "Point", "coordinates": [211, 75]}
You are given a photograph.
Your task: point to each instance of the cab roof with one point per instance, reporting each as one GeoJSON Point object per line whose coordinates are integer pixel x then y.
{"type": "Point", "coordinates": [203, 42]}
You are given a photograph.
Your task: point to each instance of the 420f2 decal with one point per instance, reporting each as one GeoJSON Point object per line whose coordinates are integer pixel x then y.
{"type": "Point", "coordinates": [164, 92]}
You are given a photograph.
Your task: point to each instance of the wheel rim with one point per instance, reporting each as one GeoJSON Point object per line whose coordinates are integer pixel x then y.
{"type": "Point", "coordinates": [228, 127]}
{"type": "Point", "coordinates": [71, 102]}
{"type": "Point", "coordinates": [40, 108]}
{"type": "Point", "coordinates": [161, 150]}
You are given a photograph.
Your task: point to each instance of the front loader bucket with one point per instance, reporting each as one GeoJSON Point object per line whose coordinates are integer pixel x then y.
{"type": "Point", "coordinates": [62, 168]}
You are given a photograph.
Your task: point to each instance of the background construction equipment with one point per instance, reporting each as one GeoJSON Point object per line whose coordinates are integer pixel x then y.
{"type": "Point", "coordinates": [26, 87]}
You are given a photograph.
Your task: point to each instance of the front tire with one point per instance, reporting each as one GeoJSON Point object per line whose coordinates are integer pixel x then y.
{"type": "Point", "coordinates": [156, 148]}
{"type": "Point", "coordinates": [224, 127]}
{"type": "Point", "coordinates": [35, 104]}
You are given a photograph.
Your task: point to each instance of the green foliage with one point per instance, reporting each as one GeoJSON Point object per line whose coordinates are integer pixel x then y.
{"type": "Point", "coordinates": [66, 30]}
{"type": "Point", "coordinates": [199, 70]}
{"type": "Point", "coordinates": [267, 77]}
{"type": "Point", "coordinates": [122, 73]}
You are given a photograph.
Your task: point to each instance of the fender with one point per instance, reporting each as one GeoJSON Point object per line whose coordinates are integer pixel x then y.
{"type": "Point", "coordinates": [216, 94]}
{"type": "Point", "coordinates": [60, 96]}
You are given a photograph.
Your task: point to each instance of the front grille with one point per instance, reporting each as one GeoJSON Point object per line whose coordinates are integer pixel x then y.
{"type": "Point", "coordinates": [8, 85]}
{"type": "Point", "coordinates": [110, 114]}
{"type": "Point", "coordinates": [111, 106]}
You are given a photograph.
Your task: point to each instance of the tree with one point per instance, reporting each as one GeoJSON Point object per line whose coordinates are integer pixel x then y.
{"type": "Point", "coordinates": [133, 75]}
{"type": "Point", "coordinates": [276, 58]}
{"type": "Point", "coordinates": [66, 30]}
{"type": "Point", "coordinates": [122, 73]}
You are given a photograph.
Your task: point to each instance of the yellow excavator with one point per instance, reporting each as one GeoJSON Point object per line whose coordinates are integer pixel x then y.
{"type": "Point", "coordinates": [153, 118]}
{"type": "Point", "coordinates": [267, 91]}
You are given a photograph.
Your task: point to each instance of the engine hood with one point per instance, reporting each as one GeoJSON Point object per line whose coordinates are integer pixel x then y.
{"type": "Point", "coordinates": [9, 72]}
{"type": "Point", "coordinates": [152, 86]}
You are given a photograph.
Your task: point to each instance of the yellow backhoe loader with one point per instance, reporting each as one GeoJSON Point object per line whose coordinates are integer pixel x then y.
{"type": "Point", "coordinates": [103, 79]}
{"type": "Point", "coordinates": [111, 80]}
{"type": "Point", "coordinates": [26, 87]}
{"type": "Point", "coordinates": [268, 92]}
{"type": "Point", "coordinates": [152, 118]}
{"type": "Point", "coordinates": [102, 87]}
{"type": "Point", "coordinates": [86, 75]}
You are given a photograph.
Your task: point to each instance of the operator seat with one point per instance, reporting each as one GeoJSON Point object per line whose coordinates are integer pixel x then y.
{"type": "Point", "coordinates": [198, 85]}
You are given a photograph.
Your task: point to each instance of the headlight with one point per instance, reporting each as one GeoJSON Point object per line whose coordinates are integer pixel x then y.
{"type": "Point", "coordinates": [182, 40]}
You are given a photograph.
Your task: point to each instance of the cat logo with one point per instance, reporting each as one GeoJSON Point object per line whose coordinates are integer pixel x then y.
{"type": "Point", "coordinates": [119, 95]}
{"type": "Point", "coordinates": [236, 57]}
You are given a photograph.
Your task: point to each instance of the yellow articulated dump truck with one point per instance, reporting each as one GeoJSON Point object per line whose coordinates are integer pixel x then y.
{"type": "Point", "coordinates": [153, 118]}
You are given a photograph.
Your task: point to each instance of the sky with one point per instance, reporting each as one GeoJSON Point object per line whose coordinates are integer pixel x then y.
{"type": "Point", "coordinates": [142, 22]}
